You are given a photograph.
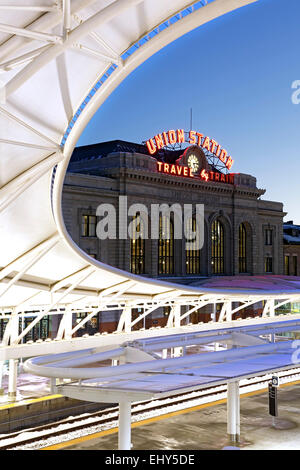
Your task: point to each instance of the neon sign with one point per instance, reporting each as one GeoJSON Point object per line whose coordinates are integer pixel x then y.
{"type": "Point", "coordinates": [205, 175]}
{"type": "Point", "coordinates": [194, 138]}
{"type": "Point", "coordinates": [172, 169]}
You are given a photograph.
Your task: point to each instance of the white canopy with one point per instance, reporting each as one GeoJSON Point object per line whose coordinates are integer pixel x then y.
{"type": "Point", "coordinates": [60, 60]}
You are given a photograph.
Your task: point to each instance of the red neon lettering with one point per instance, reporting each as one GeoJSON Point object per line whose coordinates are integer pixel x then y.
{"type": "Point", "coordinates": [223, 155]}
{"type": "Point", "coordinates": [180, 136]}
{"type": "Point", "coordinates": [151, 146]}
{"type": "Point", "coordinates": [159, 141]}
{"type": "Point", "coordinates": [199, 137]}
{"type": "Point", "coordinates": [173, 169]}
{"type": "Point", "coordinates": [172, 137]}
{"type": "Point", "coordinates": [204, 175]}
{"type": "Point", "coordinates": [192, 137]}
{"type": "Point", "coordinates": [229, 162]}
{"type": "Point", "coordinates": [223, 178]}
{"type": "Point", "coordinates": [213, 145]}
{"type": "Point", "coordinates": [217, 150]}
{"type": "Point", "coordinates": [217, 177]}
{"type": "Point", "coordinates": [206, 143]}
{"type": "Point", "coordinates": [211, 173]}
{"type": "Point", "coordinates": [165, 138]}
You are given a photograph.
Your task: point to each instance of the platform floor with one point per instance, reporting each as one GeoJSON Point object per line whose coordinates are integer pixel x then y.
{"type": "Point", "coordinates": [206, 429]}
{"type": "Point", "coordinates": [28, 387]}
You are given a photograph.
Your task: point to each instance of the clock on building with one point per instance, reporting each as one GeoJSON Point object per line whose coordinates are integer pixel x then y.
{"type": "Point", "coordinates": [193, 162]}
{"type": "Point", "coordinates": [194, 158]}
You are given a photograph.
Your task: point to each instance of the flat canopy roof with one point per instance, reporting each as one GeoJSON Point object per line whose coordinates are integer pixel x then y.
{"type": "Point", "coordinates": [265, 283]}
{"type": "Point", "coordinates": [143, 374]}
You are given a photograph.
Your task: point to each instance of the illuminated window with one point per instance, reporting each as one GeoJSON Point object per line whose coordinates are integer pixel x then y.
{"type": "Point", "coordinates": [192, 255]}
{"type": "Point", "coordinates": [287, 265]}
{"type": "Point", "coordinates": [137, 246]}
{"type": "Point", "coordinates": [217, 247]}
{"type": "Point", "coordinates": [166, 246]}
{"type": "Point", "coordinates": [242, 249]}
{"type": "Point", "coordinates": [88, 225]}
{"type": "Point", "coordinates": [269, 264]}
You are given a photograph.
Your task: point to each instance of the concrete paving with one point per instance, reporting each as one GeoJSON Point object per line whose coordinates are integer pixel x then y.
{"type": "Point", "coordinates": [206, 429]}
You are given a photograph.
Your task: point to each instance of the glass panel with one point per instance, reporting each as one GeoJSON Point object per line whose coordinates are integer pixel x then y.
{"type": "Point", "coordinates": [192, 256]}
{"type": "Point", "coordinates": [217, 248]}
{"type": "Point", "coordinates": [166, 246]}
{"type": "Point", "coordinates": [137, 247]}
{"type": "Point", "coordinates": [242, 249]}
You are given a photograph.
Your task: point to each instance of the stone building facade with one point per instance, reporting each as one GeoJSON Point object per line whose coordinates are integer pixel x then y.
{"type": "Point", "coordinates": [101, 173]}
{"type": "Point", "coordinates": [291, 248]}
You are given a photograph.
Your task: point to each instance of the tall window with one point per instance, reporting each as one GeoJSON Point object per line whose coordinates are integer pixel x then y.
{"type": "Point", "coordinates": [192, 255]}
{"type": "Point", "coordinates": [88, 225]}
{"type": "Point", "coordinates": [287, 265]}
{"type": "Point", "coordinates": [269, 236]}
{"type": "Point", "coordinates": [137, 248]}
{"type": "Point", "coordinates": [269, 264]}
{"type": "Point", "coordinates": [242, 249]}
{"type": "Point", "coordinates": [217, 248]}
{"type": "Point", "coordinates": [166, 246]}
{"type": "Point", "coordinates": [295, 265]}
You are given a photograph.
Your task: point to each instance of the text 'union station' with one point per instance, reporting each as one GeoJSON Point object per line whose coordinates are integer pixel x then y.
{"type": "Point", "coordinates": [179, 136]}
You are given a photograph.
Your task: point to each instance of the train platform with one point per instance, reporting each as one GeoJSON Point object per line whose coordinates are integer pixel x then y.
{"type": "Point", "coordinates": [35, 404]}
{"type": "Point", "coordinates": [205, 427]}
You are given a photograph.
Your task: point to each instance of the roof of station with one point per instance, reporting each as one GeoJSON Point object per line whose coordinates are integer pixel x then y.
{"type": "Point", "coordinates": [146, 375]}
{"type": "Point", "coordinates": [265, 283]}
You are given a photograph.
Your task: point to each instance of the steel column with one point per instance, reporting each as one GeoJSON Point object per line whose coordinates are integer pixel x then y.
{"type": "Point", "coordinates": [125, 425]}
{"type": "Point", "coordinates": [233, 411]}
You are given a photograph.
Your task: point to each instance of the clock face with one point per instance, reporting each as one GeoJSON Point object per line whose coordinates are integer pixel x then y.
{"type": "Point", "coordinates": [193, 163]}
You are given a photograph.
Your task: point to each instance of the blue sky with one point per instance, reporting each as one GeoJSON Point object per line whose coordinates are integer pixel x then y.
{"type": "Point", "coordinates": [236, 73]}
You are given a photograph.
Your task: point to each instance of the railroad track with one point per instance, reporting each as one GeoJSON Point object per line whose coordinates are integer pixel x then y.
{"type": "Point", "coordinates": [90, 423]}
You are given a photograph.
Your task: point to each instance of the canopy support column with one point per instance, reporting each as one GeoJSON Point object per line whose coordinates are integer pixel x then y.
{"type": "Point", "coordinates": [12, 379]}
{"type": "Point", "coordinates": [233, 411]}
{"type": "Point", "coordinates": [125, 425]}
{"type": "Point", "coordinates": [1, 377]}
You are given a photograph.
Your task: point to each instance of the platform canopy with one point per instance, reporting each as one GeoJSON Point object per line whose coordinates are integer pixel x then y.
{"type": "Point", "coordinates": [59, 61]}
{"type": "Point", "coordinates": [143, 373]}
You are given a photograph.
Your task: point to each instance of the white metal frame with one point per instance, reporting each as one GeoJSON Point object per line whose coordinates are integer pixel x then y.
{"type": "Point", "coordinates": [69, 28]}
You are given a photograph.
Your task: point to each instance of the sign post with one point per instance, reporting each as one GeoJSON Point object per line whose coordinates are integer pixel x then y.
{"type": "Point", "coordinates": [273, 401]}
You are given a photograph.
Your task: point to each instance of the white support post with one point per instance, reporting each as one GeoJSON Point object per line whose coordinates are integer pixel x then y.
{"type": "Point", "coordinates": [125, 320]}
{"type": "Point", "coordinates": [12, 379]}
{"type": "Point", "coordinates": [272, 308]}
{"type": "Point", "coordinates": [1, 377]}
{"type": "Point", "coordinates": [272, 315]}
{"type": "Point", "coordinates": [214, 313]}
{"type": "Point", "coordinates": [125, 425]}
{"type": "Point", "coordinates": [177, 352]}
{"type": "Point", "coordinates": [233, 411]}
{"type": "Point", "coordinates": [228, 311]}
{"type": "Point", "coordinates": [13, 363]}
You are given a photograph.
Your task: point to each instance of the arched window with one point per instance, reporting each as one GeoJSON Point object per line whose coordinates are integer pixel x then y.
{"type": "Point", "coordinates": [166, 246]}
{"type": "Point", "coordinates": [137, 248]}
{"type": "Point", "coordinates": [242, 249]}
{"type": "Point", "coordinates": [217, 247]}
{"type": "Point", "coordinates": [192, 256]}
